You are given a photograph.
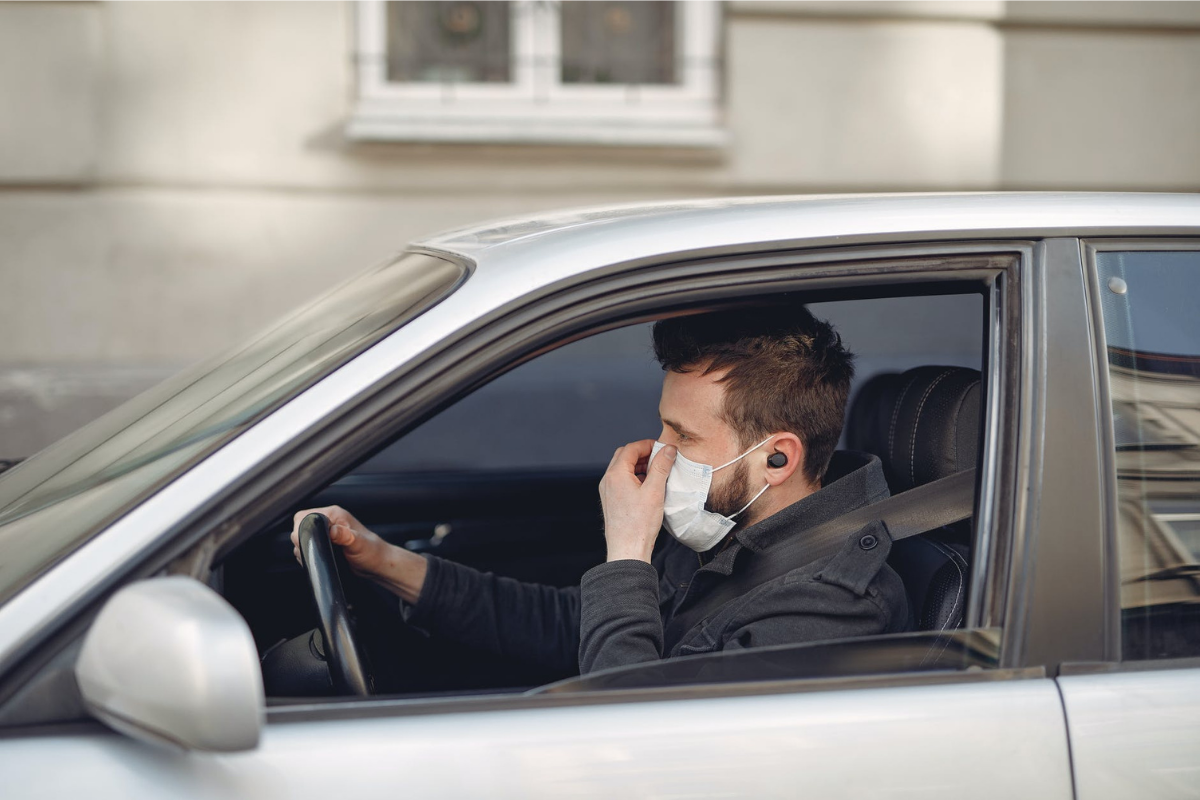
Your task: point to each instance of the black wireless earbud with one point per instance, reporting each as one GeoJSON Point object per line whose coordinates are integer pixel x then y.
{"type": "Point", "coordinates": [777, 460]}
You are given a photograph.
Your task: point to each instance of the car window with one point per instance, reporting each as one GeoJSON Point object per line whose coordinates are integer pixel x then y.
{"type": "Point", "coordinates": [894, 334]}
{"type": "Point", "coordinates": [573, 406]}
{"type": "Point", "coordinates": [504, 482]}
{"type": "Point", "coordinates": [76, 485]}
{"type": "Point", "coordinates": [570, 407]}
{"type": "Point", "coordinates": [1152, 333]}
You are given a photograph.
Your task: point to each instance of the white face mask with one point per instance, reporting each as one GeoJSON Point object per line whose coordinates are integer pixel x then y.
{"type": "Point", "coordinates": [684, 515]}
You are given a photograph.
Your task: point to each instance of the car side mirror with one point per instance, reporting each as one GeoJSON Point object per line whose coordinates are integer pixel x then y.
{"type": "Point", "coordinates": [169, 661]}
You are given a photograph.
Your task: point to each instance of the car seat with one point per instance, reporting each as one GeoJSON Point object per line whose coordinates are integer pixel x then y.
{"type": "Point", "coordinates": [924, 425]}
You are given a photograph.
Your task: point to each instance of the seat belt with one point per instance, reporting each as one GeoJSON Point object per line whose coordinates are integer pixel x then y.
{"type": "Point", "coordinates": [922, 508]}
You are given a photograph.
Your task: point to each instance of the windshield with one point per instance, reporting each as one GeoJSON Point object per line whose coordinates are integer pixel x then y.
{"type": "Point", "coordinates": [53, 501]}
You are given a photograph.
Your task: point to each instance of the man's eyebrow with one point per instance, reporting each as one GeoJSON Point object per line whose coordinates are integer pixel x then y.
{"type": "Point", "coordinates": [682, 431]}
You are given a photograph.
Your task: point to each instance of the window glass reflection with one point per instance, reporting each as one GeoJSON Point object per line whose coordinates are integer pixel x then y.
{"type": "Point", "coordinates": [1153, 339]}
{"type": "Point", "coordinates": [84, 481]}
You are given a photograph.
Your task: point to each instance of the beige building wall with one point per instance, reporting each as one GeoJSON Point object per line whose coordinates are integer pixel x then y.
{"type": "Point", "coordinates": [174, 175]}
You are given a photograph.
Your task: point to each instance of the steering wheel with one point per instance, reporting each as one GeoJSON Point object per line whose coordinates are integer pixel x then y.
{"type": "Point", "coordinates": [326, 565]}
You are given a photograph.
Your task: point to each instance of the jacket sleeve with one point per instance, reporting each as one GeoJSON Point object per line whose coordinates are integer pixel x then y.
{"type": "Point", "coordinates": [526, 621]}
{"type": "Point", "coordinates": [620, 621]}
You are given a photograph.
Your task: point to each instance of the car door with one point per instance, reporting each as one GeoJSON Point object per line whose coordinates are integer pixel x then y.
{"type": "Point", "coordinates": [994, 731]}
{"type": "Point", "coordinates": [1134, 716]}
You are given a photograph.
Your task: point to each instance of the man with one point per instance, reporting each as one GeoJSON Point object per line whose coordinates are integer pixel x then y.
{"type": "Point", "coordinates": [752, 408]}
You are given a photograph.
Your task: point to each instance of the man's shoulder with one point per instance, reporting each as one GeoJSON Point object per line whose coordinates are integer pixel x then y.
{"type": "Point", "coordinates": [852, 481]}
{"type": "Point", "coordinates": [858, 571]}
{"type": "Point", "coordinates": [860, 561]}
{"type": "Point", "coordinates": [852, 593]}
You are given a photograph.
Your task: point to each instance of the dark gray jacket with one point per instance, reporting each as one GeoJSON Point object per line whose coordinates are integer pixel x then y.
{"type": "Point", "coordinates": [616, 616]}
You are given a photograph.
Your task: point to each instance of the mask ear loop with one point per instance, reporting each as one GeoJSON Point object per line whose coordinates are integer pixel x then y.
{"type": "Point", "coordinates": [760, 494]}
{"type": "Point", "coordinates": [743, 455]}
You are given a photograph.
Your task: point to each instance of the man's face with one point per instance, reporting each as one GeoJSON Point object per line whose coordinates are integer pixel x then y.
{"type": "Point", "coordinates": [690, 410]}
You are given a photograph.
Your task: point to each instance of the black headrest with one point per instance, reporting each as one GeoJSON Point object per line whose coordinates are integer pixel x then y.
{"type": "Point", "coordinates": [871, 413]}
{"type": "Point", "coordinates": [923, 423]}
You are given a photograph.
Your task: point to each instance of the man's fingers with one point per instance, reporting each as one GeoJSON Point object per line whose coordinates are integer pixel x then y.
{"type": "Point", "coordinates": [660, 467]}
{"type": "Point", "coordinates": [632, 453]}
{"type": "Point", "coordinates": [341, 534]}
{"type": "Point", "coordinates": [664, 460]}
{"type": "Point", "coordinates": [341, 530]}
{"type": "Point", "coordinates": [330, 512]}
{"type": "Point", "coordinates": [640, 469]}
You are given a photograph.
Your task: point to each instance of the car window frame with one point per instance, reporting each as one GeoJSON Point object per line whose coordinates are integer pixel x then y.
{"type": "Point", "coordinates": [593, 303]}
{"type": "Point", "coordinates": [1090, 248]}
{"type": "Point", "coordinates": [855, 270]}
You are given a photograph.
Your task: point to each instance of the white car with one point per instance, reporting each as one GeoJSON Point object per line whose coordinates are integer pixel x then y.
{"type": "Point", "coordinates": [463, 399]}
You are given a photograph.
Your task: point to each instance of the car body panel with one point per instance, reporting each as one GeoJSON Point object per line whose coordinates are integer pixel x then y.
{"type": "Point", "coordinates": [623, 233]}
{"type": "Point", "coordinates": [1134, 734]}
{"type": "Point", "coordinates": [1061, 476]}
{"type": "Point", "coordinates": [982, 740]}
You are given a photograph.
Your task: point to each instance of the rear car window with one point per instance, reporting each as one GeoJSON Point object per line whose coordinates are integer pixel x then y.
{"type": "Point", "coordinates": [1152, 336]}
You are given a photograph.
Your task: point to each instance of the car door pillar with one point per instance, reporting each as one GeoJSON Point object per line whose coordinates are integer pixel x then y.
{"type": "Point", "coordinates": [1056, 608]}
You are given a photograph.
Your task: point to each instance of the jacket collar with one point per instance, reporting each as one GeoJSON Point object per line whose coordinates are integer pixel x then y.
{"type": "Point", "coordinates": [853, 480]}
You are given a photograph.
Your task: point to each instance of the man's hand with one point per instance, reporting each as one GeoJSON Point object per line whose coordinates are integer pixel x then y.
{"type": "Point", "coordinates": [368, 555]}
{"type": "Point", "coordinates": [364, 550]}
{"type": "Point", "coordinates": [633, 505]}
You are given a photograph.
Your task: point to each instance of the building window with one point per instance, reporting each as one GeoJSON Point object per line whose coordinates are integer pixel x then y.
{"type": "Point", "coordinates": [631, 73]}
{"type": "Point", "coordinates": [448, 42]}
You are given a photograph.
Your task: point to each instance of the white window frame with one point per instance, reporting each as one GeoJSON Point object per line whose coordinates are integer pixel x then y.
{"type": "Point", "coordinates": [536, 107]}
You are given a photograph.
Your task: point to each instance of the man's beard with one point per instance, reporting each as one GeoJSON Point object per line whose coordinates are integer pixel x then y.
{"type": "Point", "coordinates": [732, 495]}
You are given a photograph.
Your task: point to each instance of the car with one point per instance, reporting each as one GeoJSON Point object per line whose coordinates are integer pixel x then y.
{"type": "Point", "coordinates": [157, 635]}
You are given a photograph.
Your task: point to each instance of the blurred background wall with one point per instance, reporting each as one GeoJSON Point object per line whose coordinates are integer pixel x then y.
{"type": "Point", "coordinates": [175, 175]}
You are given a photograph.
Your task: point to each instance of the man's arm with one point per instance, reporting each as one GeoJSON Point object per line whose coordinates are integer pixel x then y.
{"type": "Point", "coordinates": [620, 619]}
{"type": "Point", "coordinates": [529, 622]}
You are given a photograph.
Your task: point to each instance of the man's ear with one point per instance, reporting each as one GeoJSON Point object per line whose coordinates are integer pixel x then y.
{"type": "Point", "coordinates": [792, 448]}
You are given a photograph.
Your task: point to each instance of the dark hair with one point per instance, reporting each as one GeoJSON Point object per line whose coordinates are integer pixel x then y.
{"type": "Point", "coordinates": [787, 371]}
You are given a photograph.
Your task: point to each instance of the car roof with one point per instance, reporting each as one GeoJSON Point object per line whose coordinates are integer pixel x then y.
{"type": "Point", "coordinates": [632, 233]}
